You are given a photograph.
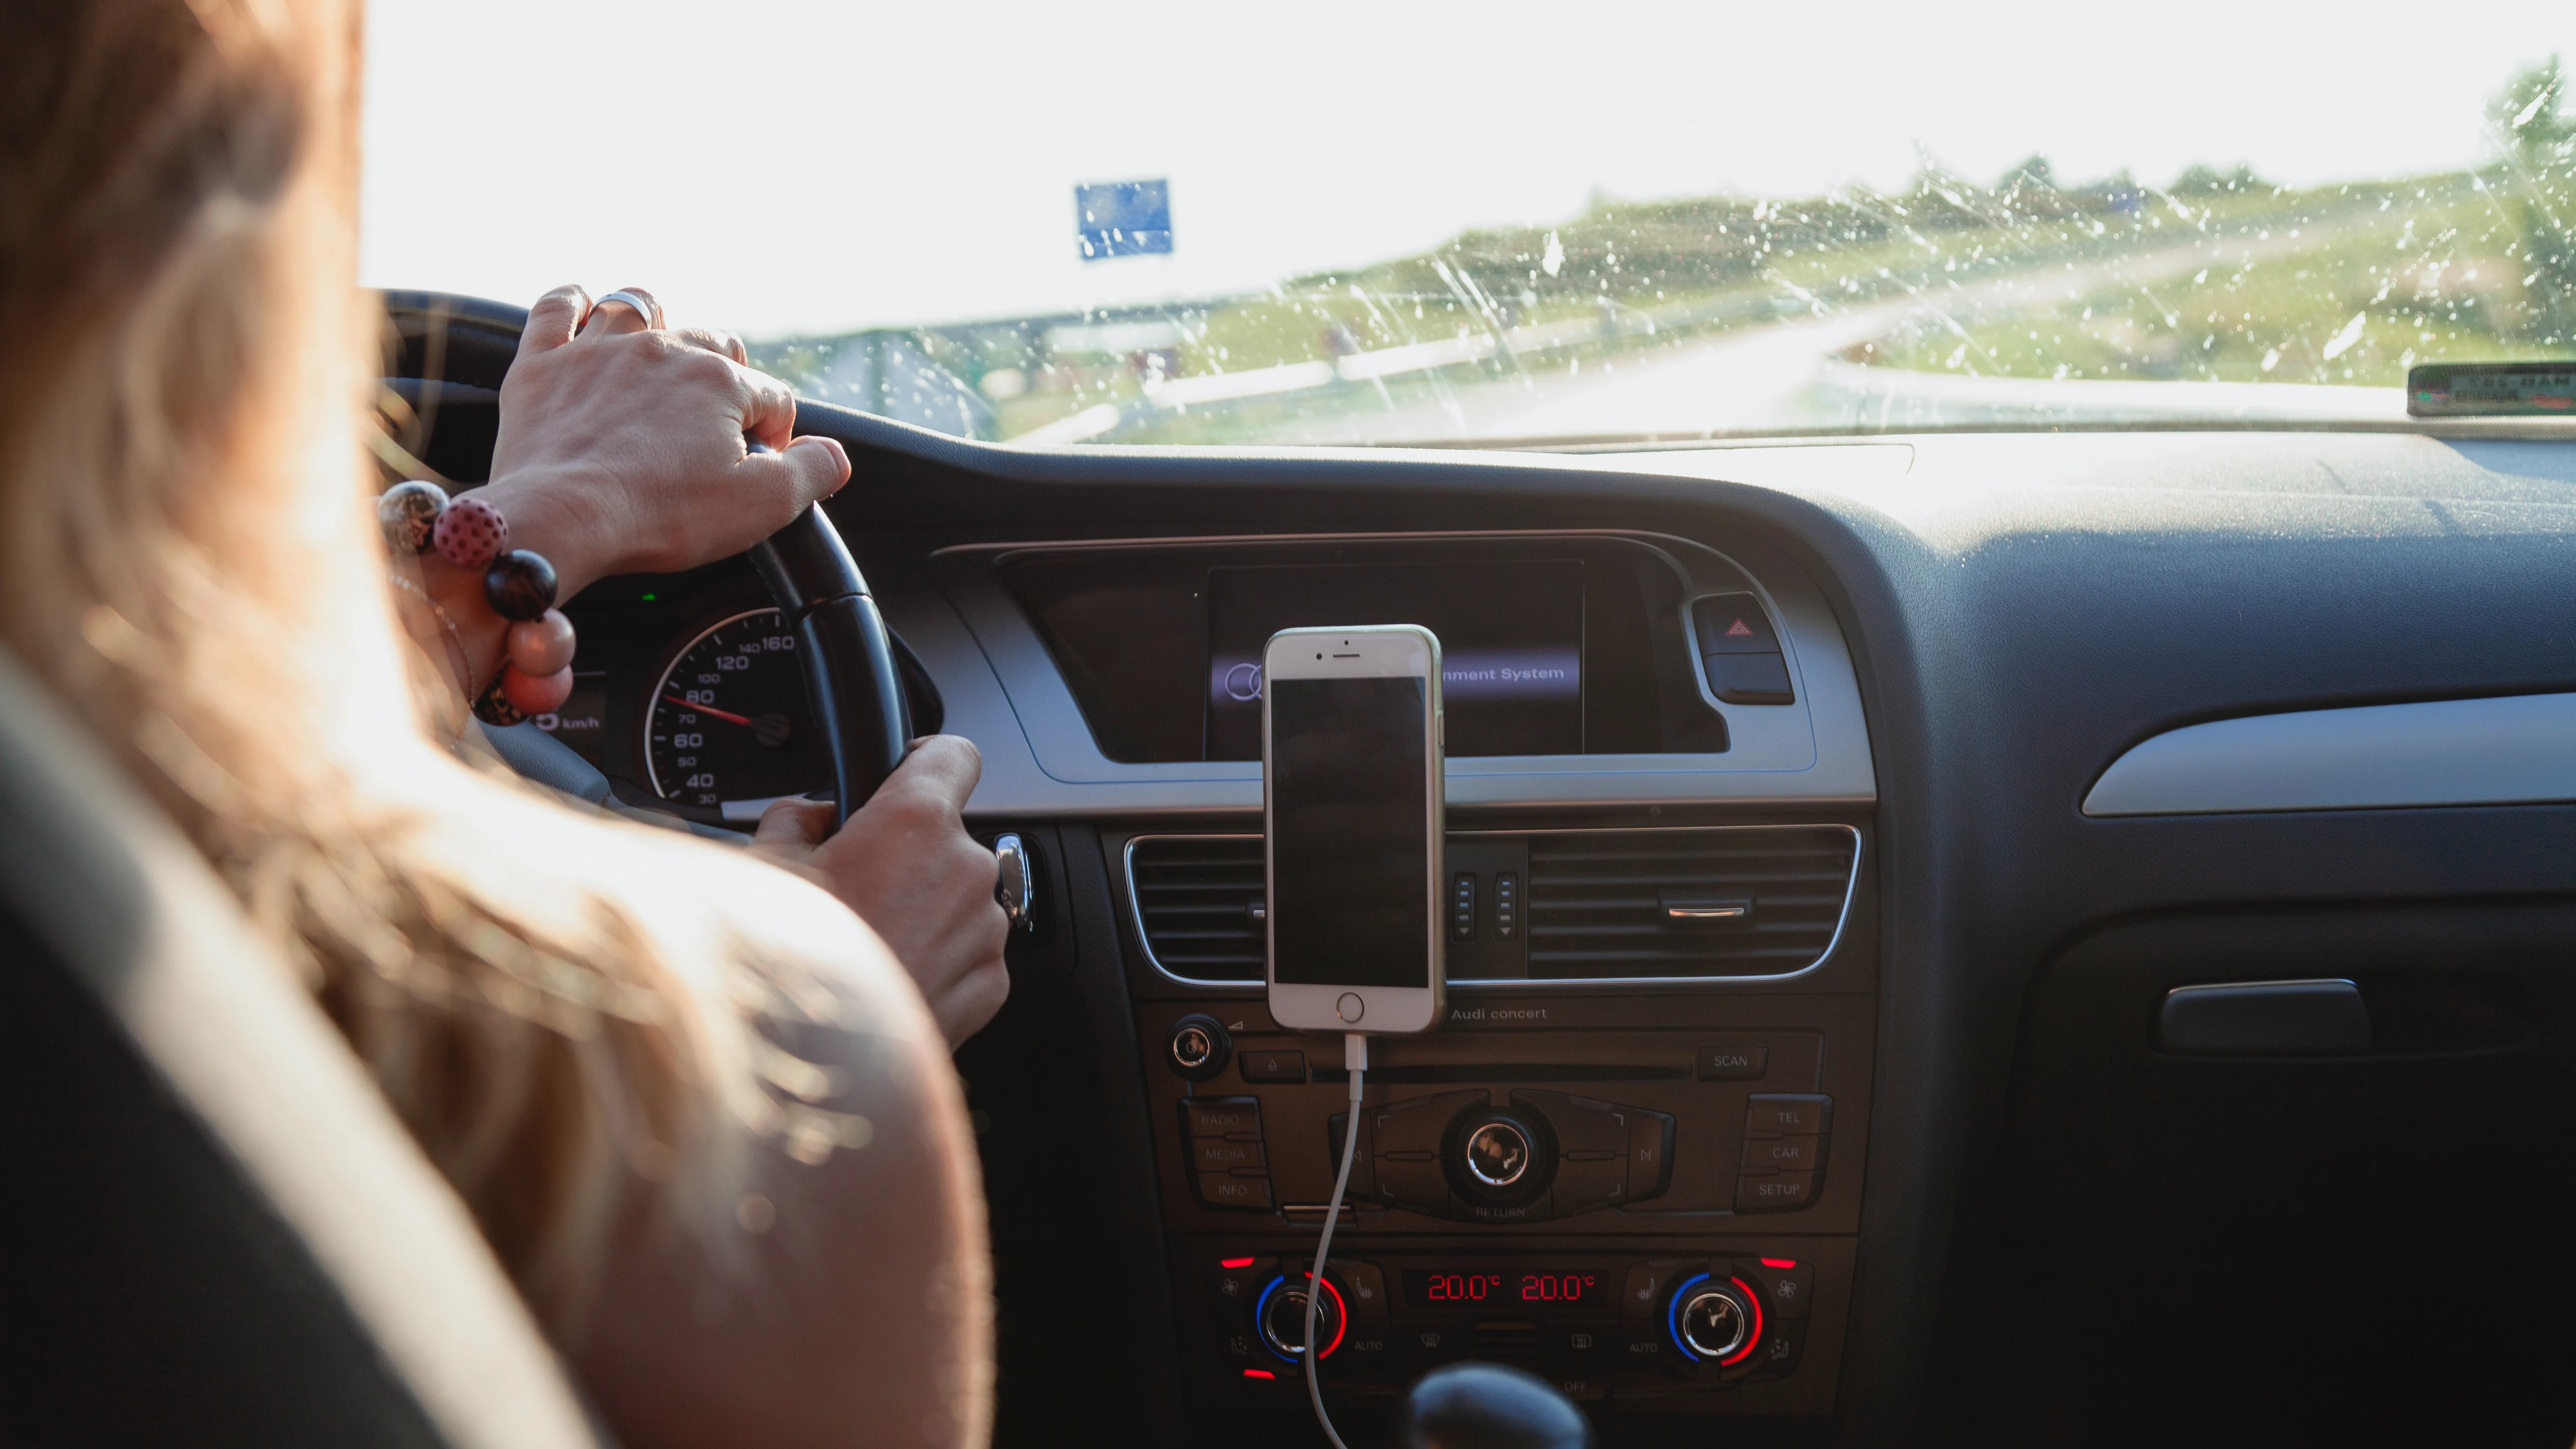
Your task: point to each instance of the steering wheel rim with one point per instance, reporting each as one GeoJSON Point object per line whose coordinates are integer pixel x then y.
{"type": "Point", "coordinates": [847, 656]}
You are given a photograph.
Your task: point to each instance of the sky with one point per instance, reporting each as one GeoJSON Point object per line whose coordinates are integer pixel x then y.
{"type": "Point", "coordinates": [813, 166]}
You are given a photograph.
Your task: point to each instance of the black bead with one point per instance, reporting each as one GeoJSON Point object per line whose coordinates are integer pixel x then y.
{"type": "Point", "coordinates": [494, 708]}
{"type": "Point", "coordinates": [520, 585]}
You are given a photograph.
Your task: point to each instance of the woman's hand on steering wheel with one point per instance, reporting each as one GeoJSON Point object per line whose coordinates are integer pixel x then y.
{"type": "Point", "coordinates": [905, 863]}
{"type": "Point", "coordinates": [621, 446]}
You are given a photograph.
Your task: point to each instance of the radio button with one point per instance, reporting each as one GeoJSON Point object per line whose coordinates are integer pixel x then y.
{"type": "Point", "coordinates": [1777, 1192]}
{"type": "Point", "coordinates": [1786, 1114]}
{"type": "Point", "coordinates": [1785, 1154]}
{"type": "Point", "coordinates": [1221, 1116]}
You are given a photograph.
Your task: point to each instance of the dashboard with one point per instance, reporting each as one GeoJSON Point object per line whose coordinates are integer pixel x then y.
{"type": "Point", "coordinates": [1953, 938]}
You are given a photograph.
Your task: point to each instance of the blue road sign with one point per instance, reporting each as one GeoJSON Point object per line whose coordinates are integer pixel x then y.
{"type": "Point", "coordinates": [1123, 219]}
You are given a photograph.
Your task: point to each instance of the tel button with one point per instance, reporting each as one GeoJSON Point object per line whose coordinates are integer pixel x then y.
{"type": "Point", "coordinates": [1786, 1114]}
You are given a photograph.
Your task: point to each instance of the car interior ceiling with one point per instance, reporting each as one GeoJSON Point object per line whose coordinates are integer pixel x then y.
{"type": "Point", "coordinates": [2036, 1099]}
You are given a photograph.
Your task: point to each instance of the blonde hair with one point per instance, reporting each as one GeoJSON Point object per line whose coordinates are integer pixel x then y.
{"type": "Point", "coordinates": [189, 561]}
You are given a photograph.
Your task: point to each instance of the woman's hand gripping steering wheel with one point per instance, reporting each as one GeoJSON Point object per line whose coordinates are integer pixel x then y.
{"type": "Point", "coordinates": [629, 448]}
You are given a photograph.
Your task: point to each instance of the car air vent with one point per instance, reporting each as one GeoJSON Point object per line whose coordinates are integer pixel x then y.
{"type": "Point", "coordinates": [1724, 901]}
{"type": "Point", "coordinates": [1198, 902]}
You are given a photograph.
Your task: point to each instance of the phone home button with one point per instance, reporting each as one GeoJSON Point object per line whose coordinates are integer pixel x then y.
{"type": "Point", "coordinates": [1350, 1006]}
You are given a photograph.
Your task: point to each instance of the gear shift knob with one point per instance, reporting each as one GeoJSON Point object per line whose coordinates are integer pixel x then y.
{"type": "Point", "coordinates": [1488, 1406]}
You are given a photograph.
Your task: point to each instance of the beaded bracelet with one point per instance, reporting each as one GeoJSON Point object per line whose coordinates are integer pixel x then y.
{"type": "Point", "coordinates": [519, 585]}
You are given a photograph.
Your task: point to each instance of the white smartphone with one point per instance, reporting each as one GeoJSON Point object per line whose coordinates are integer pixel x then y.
{"type": "Point", "coordinates": [1352, 809]}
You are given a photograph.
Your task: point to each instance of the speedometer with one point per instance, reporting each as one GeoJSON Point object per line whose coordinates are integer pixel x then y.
{"type": "Point", "coordinates": [729, 730]}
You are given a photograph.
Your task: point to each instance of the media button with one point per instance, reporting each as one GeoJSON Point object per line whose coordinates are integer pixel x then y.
{"type": "Point", "coordinates": [1223, 1154]}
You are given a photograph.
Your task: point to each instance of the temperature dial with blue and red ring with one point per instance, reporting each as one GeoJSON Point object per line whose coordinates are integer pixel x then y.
{"type": "Point", "coordinates": [1281, 1313]}
{"type": "Point", "coordinates": [1715, 1320]}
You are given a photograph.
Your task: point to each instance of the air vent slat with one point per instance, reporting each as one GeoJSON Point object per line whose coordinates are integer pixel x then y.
{"type": "Point", "coordinates": [1596, 900]}
{"type": "Point", "coordinates": [1194, 896]}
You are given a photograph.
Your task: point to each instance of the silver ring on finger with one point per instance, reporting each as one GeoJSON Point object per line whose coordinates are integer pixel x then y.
{"type": "Point", "coordinates": [642, 301]}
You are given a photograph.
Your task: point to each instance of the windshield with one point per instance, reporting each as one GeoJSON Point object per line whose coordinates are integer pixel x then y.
{"type": "Point", "coordinates": [1412, 224]}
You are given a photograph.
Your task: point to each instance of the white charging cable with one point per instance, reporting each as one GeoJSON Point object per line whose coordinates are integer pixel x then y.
{"type": "Point", "coordinates": [1354, 1061]}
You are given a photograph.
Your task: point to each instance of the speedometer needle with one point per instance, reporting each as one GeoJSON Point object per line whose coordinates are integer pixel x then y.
{"type": "Point", "coordinates": [728, 716]}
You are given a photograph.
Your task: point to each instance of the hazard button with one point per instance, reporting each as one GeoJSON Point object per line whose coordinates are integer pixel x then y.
{"type": "Point", "coordinates": [1733, 624]}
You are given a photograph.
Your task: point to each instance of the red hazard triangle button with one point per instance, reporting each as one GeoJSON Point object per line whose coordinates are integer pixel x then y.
{"type": "Point", "coordinates": [1734, 624]}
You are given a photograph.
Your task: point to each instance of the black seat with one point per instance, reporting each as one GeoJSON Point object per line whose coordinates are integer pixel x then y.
{"type": "Point", "coordinates": [213, 1231]}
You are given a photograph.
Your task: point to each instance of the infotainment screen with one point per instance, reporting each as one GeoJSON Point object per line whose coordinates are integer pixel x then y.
{"type": "Point", "coordinates": [1511, 644]}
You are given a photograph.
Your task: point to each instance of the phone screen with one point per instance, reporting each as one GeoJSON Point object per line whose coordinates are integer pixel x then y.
{"type": "Point", "coordinates": [1350, 835]}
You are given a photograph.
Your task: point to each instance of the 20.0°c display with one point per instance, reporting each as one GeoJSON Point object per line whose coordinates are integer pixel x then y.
{"type": "Point", "coordinates": [729, 730]}
{"type": "Point", "coordinates": [1520, 1288]}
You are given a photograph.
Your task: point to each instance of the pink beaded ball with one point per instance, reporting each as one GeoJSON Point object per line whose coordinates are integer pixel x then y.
{"type": "Point", "coordinates": [535, 693]}
{"type": "Point", "coordinates": [470, 533]}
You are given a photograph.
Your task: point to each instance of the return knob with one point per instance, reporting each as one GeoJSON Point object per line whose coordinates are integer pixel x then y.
{"type": "Point", "coordinates": [1501, 1159]}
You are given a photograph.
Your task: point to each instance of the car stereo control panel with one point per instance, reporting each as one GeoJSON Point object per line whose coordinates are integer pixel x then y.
{"type": "Point", "coordinates": [1653, 1201]}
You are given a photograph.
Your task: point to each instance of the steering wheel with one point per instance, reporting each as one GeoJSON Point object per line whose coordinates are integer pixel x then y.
{"type": "Point", "coordinates": [459, 348]}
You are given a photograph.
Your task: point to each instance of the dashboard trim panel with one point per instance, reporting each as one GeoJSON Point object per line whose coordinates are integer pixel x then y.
{"type": "Point", "coordinates": [1842, 919]}
{"type": "Point", "coordinates": [2505, 750]}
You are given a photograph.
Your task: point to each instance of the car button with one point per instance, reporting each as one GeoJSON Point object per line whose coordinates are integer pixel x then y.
{"type": "Point", "coordinates": [1785, 1154]}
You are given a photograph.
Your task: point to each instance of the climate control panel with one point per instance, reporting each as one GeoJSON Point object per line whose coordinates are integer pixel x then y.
{"type": "Point", "coordinates": [1595, 1325]}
